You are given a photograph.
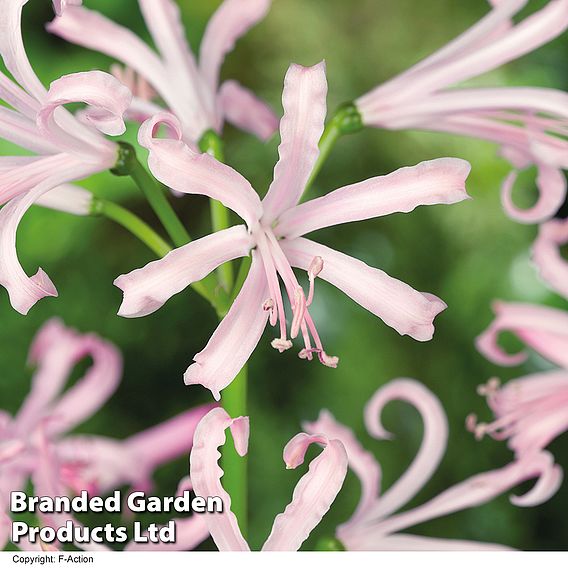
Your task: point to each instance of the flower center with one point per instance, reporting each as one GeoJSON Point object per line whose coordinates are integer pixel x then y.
{"type": "Point", "coordinates": [277, 267]}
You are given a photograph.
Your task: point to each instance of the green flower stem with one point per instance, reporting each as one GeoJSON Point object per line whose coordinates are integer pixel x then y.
{"type": "Point", "coordinates": [235, 480]}
{"type": "Point", "coordinates": [128, 165]}
{"type": "Point", "coordinates": [210, 143]}
{"type": "Point", "coordinates": [346, 120]}
{"type": "Point", "coordinates": [234, 397]}
{"type": "Point", "coordinates": [132, 223]}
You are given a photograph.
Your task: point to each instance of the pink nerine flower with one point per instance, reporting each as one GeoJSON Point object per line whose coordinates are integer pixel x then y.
{"type": "Point", "coordinates": [312, 498]}
{"type": "Point", "coordinates": [189, 88]}
{"type": "Point", "coordinates": [376, 524]}
{"type": "Point", "coordinates": [64, 148]}
{"type": "Point", "coordinates": [528, 123]}
{"type": "Point", "coordinates": [274, 233]}
{"type": "Point", "coordinates": [547, 255]}
{"type": "Point", "coordinates": [533, 410]}
{"type": "Point", "coordinates": [93, 463]}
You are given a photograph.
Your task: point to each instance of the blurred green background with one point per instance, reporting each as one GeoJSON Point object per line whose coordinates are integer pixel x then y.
{"type": "Point", "coordinates": [468, 254]}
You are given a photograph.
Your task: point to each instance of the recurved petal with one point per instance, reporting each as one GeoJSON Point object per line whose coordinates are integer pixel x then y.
{"type": "Point", "coordinates": [236, 336]}
{"type": "Point", "coordinates": [246, 111]}
{"type": "Point", "coordinates": [363, 463]}
{"type": "Point", "coordinates": [148, 289]}
{"type": "Point", "coordinates": [230, 22]}
{"type": "Point", "coordinates": [542, 328]}
{"type": "Point", "coordinates": [551, 184]}
{"type": "Point", "coordinates": [12, 48]}
{"type": "Point", "coordinates": [481, 488]}
{"type": "Point", "coordinates": [401, 307]}
{"type": "Point", "coordinates": [314, 493]}
{"type": "Point", "coordinates": [432, 448]}
{"type": "Point", "coordinates": [206, 474]}
{"type": "Point", "coordinates": [60, 5]}
{"type": "Point", "coordinates": [179, 167]}
{"type": "Point", "coordinates": [94, 31]}
{"type": "Point", "coordinates": [553, 267]}
{"type": "Point", "coordinates": [440, 181]}
{"type": "Point", "coordinates": [301, 127]}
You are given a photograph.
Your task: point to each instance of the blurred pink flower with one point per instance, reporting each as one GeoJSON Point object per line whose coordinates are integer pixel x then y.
{"type": "Point", "coordinates": [547, 254]}
{"type": "Point", "coordinates": [189, 88]}
{"type": "Point", "coordinates": [93, 463]}
{"type": "Point", "coordinates": [530, 124]}
{"type": "Point", "coordinates": [274, 233]}
{"type": "Point", "coordinates": [530, 411]}
{"type": "Point", "coordinates": [312, 498]}
{"type": "Point", "coordinates": [376, 524]}
{"type": "Point", "coordinates": [64, 148]}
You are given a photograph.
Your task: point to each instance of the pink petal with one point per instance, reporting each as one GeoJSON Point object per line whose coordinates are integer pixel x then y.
{"type": "Point", "coordinates": [166, 441]}
{"type": "Point", "coordinates": [21, 131]}
{"type": "Point", "coordinates": [428, 183]}
{"type": "Point", "coordinates": [17, 98]}
{"type": "Point", "coordinates": [68, 198]}
{"type": "Point", "coordinates": [60, 5]}
{"type": "Point", "coordinates": [93, 390]}
{"type": "Point", "coordinates": [246, 111]}
{"type": "Point", "coordinates": [107, 101]}
{"type": "Point", "coordinates": [301, 127]}
{"type": "Point", "coordinates": [12, 48]}
{"type": "Point", "coordinates": [552, 193]}
{"type": "Point", "coordinates": [236, 336]}
{"type": "Point", "coordinates": [148, 289]}
{"type": "Point", "coordinates": [184, 90]}
{"type": "Point", "coordinates": [542, 328]}
{"type": "Point", "coordinates": [181, 168]}
{"type": "Point", "coordinates": [94, 31]}
{"type": "Point", "coordinates": [363, 463]}
{"type": "Point", "coordinates": [482, 488]}
{"type": "Point", "coordinates": [313, 494]}
{"type": "Point", "coordinates": [229, 23]}
{"type": "Point", "coordinates": [546, 254]}
{"type": "Point", "coordinates": [397, 304]}
{"type": "Point", "coordinates": [206, 476]}
{"type": "Point", "coordinates": [432, 448]}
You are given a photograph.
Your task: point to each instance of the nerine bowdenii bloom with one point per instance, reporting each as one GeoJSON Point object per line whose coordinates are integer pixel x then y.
{"type": "Point", "coordinates": [531, 411]}
{"type": "Point", "coordinates": [528, 123]}
{"type": "Point", "coordinates": [377, 523]}
{"type": "Point", "coordinates": [273, 234]}
{"type": "Point", "coordinates": [313, 494]}
{"type": "Point", "coordinates": [63, 149]}
{"type": "Point", "coordinates": [190, 88]}
{"type": "Point", "coordinates": [40, 431]}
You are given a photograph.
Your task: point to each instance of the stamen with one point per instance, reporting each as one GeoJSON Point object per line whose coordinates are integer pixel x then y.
{"type": "Point", "coordinates": [490, 388]}
{"type": "Point", "coordinates": [316, 266]}
{"type": "Point", "coordinates": [281, 344]}
{"type": "Point", "coordinates": [268, 306]}
{"type": "Point", "coordinates": [299, 310]}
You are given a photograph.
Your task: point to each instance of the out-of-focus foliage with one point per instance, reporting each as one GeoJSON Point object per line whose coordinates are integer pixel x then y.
{"type": "Point", "coordinates": [468, 254]}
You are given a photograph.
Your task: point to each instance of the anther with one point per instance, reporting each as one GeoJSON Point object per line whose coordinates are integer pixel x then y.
{"type": "Point", "coordinates": [281, 344]}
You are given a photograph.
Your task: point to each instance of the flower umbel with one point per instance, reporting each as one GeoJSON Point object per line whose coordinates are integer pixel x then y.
{"type": "Point", "coordinates": [528, 123]}
{"type": "Point", "coordinates": [190, 88]}
{"type": "Point", "coordinates": [273, 234]}
{"type": "Point", "coordinates": [376, 524]}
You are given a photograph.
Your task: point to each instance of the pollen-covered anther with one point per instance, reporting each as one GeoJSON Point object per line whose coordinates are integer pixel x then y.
{"type": "Point", "coordinates": [328, 360]}
{"type": "Point", "coordinates": [478, 429]}
{"type": "Point", "coordinates": [490, 388]}
{"type": "Point", "coordinates": [305, 354]}
{"type": "Point", "coordinates": [316, 266]}
{"type": "Point", "coordinates": [281, 344]}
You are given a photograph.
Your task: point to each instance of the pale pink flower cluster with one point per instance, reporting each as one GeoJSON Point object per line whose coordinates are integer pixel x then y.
{"type": "Point", "coordinates": [530, 124]}
{"type": "Point", "coordinates": [36, 444]}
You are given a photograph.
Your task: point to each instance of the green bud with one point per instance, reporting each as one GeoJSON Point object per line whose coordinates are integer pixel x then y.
{"type": "Point", "coordinates": [125, 161]}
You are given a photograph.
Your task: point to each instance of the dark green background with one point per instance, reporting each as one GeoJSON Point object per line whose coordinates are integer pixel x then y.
{"type": "Point", "coordinates": [468, 254]}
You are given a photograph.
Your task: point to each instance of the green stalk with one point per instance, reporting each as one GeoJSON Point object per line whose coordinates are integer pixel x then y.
{"type": "Point", "coordinates": [211, 144]}
{"type": "Point", "coordinates": [346, 120]}
{"type": "Point", "coordinates": [128, 165]}
{"type": "Point", "coordinates": [235, 479]}
{"type": "Point", "coordinates": [132, 223]}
